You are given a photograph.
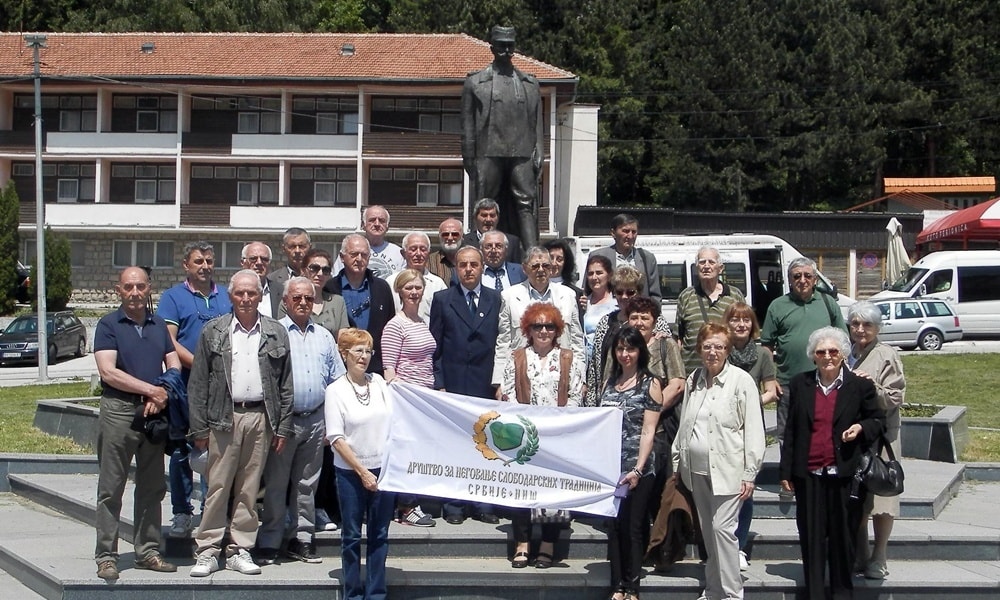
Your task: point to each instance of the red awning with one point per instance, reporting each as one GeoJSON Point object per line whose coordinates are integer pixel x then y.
{"type": "Point", "coordinates": [979, 222]}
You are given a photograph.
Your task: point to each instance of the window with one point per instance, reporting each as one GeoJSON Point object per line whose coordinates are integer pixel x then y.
{"type": "Point", "coordinates": [68, 190]}
{"type": "Point", "coordinates": [422, 114]}
{"type": "Point", "coordinates": [327, 115]}
{"type": "Point", "coordinates": [936, 309]}
{"type": "Point", "coordinates": [23, 170]}
{"type": "Point", "coordinates": [145, 191]}
{"type": "Point", "coordinates": [673, 279]}
{"type": "Point", "coordinates": [908, 310]}
{"type": "Point", "coordinates": [257, 185]}
{"type": "Point", "coordinates": [248, 123]}
{"type": "Point", "coordinates": [427, 194]}
{"type": "Point", "coordinates": [147, 121]}
{"type": "Point", "coordinates": [977, 284]}
{"type": "Point", "coordinates": [430, 123]}
{"type": "Point", "coordinates": [325, 185]}
{"type": "Point", "coordinates": [77, 254]}
{"type": "Point", "coordinates": [324, 193]}
{"type": "Point", "coordinates": [126, 253]}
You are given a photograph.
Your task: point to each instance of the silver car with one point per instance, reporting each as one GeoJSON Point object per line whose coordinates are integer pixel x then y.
{"type": "Point", "coordinates": [915, 323]}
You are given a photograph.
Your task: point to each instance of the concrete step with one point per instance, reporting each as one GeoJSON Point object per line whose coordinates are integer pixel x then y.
{"type": "Point", "coordinates": [51, 554]}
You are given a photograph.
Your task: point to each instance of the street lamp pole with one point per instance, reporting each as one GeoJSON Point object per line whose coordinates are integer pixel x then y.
{"type": "Point", "coordinates": [36, 42]}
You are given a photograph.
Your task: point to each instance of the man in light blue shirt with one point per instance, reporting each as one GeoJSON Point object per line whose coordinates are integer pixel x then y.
{"type": "Point", "coordinates": [292, 475]}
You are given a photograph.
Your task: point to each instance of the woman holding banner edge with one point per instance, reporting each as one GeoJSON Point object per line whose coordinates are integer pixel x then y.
{"type": "Point", "coordinates": [541, 374]}
{"type": "Point", "coordinates": [357, 411]}
{"type": "Point", "coordinates": [634, 390]}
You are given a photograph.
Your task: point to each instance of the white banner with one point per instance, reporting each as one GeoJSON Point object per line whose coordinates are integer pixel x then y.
{"type": "Point", "coordinates": [464, 448]}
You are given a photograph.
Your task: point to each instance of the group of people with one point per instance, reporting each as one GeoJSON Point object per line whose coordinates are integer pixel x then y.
{"type": "Point", "coordinates": [282, 377]}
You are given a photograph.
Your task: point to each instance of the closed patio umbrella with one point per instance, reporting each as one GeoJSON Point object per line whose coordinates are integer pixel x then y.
{"type": "Point", "coordinates": [897, 261]}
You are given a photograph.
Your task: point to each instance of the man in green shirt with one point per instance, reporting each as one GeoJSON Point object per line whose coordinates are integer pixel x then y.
{"type": "Point", "coordinates": [789, 322]}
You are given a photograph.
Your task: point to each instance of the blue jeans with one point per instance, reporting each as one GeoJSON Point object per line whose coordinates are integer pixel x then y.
{"type": "Point", "coordinates": [182, 480]}
{"type": "Point", "coordinates": [355, 503]}
{"type": "Point", "coordinates": [743, 523]}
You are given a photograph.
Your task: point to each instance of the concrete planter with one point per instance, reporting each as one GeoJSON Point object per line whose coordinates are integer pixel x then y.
{"type": "Point", "coordinates": [69, 418]}
{"type": "Point", "coordinates": [941, 437]}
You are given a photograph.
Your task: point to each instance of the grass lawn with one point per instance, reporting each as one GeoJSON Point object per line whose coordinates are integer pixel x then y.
{"type": "Point", "coordinates": [17, 413]}
{"type": "Point", "coordinates": [972, 380]}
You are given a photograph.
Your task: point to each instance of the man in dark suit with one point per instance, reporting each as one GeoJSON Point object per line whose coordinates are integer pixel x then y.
{"type": "Point", "coordinates": [368, 298]}
{"type": "Point", "coordinates": [502, 136]}
{"type": "Point", "coordinates": [465, 320]}
{"type": "Point", "coordinates": [625, 229]}
{"type": "Point", "coordinates": [498, 274]}
{"type": "Point", "coordinates": [485, 215]}
{"type": "Point", "coordinates": [295, 243]}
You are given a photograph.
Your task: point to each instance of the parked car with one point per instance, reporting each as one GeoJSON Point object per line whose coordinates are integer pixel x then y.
{"type": "Point", "coordinates": [67, 336]}
{"type": "Point", "coordinates": [916, 323]}
{"type": "Point", "coordinates": [23, 284]}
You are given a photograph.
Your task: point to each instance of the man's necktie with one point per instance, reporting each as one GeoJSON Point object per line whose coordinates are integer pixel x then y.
{"type": "Point", "coordinates": [472, 303]}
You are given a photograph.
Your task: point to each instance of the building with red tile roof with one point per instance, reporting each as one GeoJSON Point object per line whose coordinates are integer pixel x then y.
{"type": "Point", "coordinates": [155, 139]}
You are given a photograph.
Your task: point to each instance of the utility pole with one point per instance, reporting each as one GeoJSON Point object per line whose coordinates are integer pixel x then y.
{"type": "Point", "coordinates": [36, 42]}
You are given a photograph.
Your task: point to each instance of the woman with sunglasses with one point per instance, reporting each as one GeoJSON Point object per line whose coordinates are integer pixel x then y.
{"type": "Point", "coordinates": [833, 417]}
{"type": "Point", "coordinates": [357, 412]}
{"type": "Point", "coordinates": [880, 364]}
{"type": "Point", "coordinates": [626, 283]}
{"type": "Point", "coordinates": [407, 354]}
{"type": "Point", "coordinates": [718, 452]}
{"type": "Point", "coordinates": [541, 374]}
{"type": "Point", "coordinates": [329, 310]}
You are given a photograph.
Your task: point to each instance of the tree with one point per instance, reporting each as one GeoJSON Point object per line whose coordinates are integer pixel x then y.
{"type": "Point", "coordinates": [58, 272]}
{"type": "Point", "coordinates": [9, 244]}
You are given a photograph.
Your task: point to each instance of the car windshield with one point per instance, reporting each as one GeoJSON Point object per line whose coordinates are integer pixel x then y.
{"type": "Point", "coordinates": [25, 326]}
{"type": "Point", "coordinates": [908, 280]}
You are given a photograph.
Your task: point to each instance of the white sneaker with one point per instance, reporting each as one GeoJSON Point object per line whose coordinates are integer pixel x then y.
{"type": "Point", "coordinates": [205, 565]}
{"type": "Point", "coordinates": [180, 526]}
{"type": "Point", "coordinates": [416, 518]}
{"type": "Point", "coordinates": [242, 562]}
{"type": "Point", "coordinates": [323, 521]}
{"type": "Point", "coordinates": [744, 563]}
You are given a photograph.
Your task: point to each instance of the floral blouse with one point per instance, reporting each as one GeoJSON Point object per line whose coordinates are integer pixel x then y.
{"type": "Point", "coordinates": [543, 373]}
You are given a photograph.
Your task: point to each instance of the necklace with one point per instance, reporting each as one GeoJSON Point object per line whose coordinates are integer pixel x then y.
{"type": "Point", "coordinates": [364, 397]}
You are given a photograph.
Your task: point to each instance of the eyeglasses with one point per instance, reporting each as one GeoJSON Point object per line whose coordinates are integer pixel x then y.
{"type": "Point", "coordinates": [253, 259]}
{"type": "Point", "coordinates": [541, 326]}
{"type": "Point", "coordinates": [537, 266]}
{"type": "Point", "coordinates": [359, 352]}
{"type": "Point", "coordinates": [314, 268]}
{"type": "Point", "coordinates": [626, 293]}
{"type": "Point", "coordinates": [299, 298]}
{"type": "Point", "coordinates": [450, 234]}
{"type": "Point", "coordinates": [806, 276]}
{"type": "Point", "coordinates": [713, 347]}
{"type": "Point", "coordinates": [829, 353]}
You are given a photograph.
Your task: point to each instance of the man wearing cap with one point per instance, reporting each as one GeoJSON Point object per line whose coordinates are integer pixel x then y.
{"type": "Point", "coordinates": [502, 137]}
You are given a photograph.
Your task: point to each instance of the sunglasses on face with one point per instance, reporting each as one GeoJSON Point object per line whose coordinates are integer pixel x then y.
{"type": "Point", "coordinates": [806, 276]}
{"type": "Point", "coordinates": [626, 293]}
{"type": "Point", "coordinates": [830, 353]}
{"type": "Point", "coordinates": [314, 268]}
{"type": "Point", "coordinates": [543, 326]}
{"type": "Point", "coordinates": [537, 266]}
{"type": "Point", "coordinates": [299, 298]}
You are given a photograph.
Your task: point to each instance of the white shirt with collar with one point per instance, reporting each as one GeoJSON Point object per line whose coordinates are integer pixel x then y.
{"type": "Point", "coordinates": [246, 384]}
{"type": "Point", "coordinates": [490, 278]}
{"type": "Point", "coordinates": [432, 285]}
{"type": "Point", "coordinates": [517, 298]}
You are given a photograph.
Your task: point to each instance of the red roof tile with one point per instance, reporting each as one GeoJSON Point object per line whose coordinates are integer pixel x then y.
{"type": "Point", "coordinates": [307, 56]}
{"type": "Point", "coordinates": [940, 184]}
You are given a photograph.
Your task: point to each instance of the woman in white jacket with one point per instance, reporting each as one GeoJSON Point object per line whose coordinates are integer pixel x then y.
{"type": "Point", "coordinates": [717, 453]}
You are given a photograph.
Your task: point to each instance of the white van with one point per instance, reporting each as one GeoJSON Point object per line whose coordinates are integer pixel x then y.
{"type": "Point", "coordinates": [967, 279]}
{"type": "Point", "coordinates": [756, 264]}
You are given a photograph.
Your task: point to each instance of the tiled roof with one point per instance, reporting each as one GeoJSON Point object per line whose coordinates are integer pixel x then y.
{"type": "Point", "coordinates": [269, 56]}
{"type": "Point", "coordinates": [940, 184]}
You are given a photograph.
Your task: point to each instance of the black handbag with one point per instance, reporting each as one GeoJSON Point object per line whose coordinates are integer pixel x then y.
{"type": "Point", "coordinates": [879, 476]}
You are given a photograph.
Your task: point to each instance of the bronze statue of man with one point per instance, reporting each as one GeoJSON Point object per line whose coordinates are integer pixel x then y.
{"type": "Point", "coordinates": [502, 146]}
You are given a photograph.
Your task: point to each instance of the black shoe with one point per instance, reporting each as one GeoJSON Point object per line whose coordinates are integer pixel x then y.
{"type": "Point", "coordinates": [454, 519]}
{"type": "Point", "coordinates": [306, 552]}
{"type": "Point", "coordinates": [488, 518]}
{"type": "Point", "coordinates": [266, 556]}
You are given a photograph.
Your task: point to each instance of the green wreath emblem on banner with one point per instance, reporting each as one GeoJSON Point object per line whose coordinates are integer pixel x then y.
{"type": "Point", "coordinates": [504, 438]}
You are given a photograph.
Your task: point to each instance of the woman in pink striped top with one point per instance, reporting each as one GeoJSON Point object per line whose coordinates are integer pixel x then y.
{"type": "Point", "coordinates": [407, 355]}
